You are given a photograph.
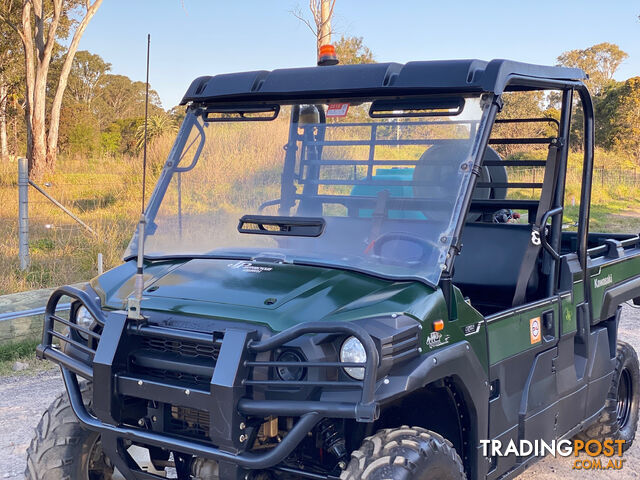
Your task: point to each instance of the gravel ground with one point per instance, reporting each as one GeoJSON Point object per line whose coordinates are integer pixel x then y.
{"type": "Point", "coordinates": [24, 397]}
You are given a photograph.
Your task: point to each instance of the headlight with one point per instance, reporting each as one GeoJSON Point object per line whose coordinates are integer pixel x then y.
{"type": "Point", "coordinates": [84, 319]}
{"type": "Point", "coordinates": [292, 374]}
{"type": "Point", "coordinates": [352, 351]}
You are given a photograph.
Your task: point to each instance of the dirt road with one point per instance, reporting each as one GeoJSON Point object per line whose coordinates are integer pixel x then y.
{"type": "Point", "coordinates": [23, 398]}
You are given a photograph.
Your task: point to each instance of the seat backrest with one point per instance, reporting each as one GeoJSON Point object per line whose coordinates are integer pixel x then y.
{"type": "Point", "coordinates": [490, 259]}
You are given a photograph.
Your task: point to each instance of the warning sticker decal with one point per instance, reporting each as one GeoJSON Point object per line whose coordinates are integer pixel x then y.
{"type": "Point", "coordinates": [338, 110]}
{"type": "Point", "coordinates": [534, 329]}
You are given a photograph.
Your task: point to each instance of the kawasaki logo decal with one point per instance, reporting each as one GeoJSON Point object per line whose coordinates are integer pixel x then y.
{"type": "Point", "coordinates": [601, 282]}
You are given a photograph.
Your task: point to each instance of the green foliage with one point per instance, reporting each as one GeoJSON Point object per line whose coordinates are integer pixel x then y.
{"type": "Point", "coordinates": [599, 61]}
{"type": "Point", "coordinates": [352, 50]}
{"type": "Point", "coordinates": [120, 98]}
{"type": "Point", "coordinates": [111, 140]}
{"type": "Point", "coordinates": [157, 126]}
{"type": "Point", "coordinates": [178, 113]}
{"type": "Point", "coordinates": [85, 78]}
{"type": "Point", "coordinates": [626, 129]}
{"type": "Point", "coordinates": [18, 350]}
{"type": "Point", "coordinates": [128, 129]}
{"type": "Point", "coordinates": [42, 245]}
{"type": "Point", "coordinates": [83, 138]}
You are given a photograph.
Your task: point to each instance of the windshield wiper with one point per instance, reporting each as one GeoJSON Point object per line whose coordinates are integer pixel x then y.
{"type": "Point", "coordinates": [277, 225]}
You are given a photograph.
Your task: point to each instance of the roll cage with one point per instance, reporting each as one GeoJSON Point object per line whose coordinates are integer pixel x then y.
{"type": "Point", "coordinates": [459, 77]}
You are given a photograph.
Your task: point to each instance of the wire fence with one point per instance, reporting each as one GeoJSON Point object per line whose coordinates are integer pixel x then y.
{"type": "Point", "coordinates": [78, 224]}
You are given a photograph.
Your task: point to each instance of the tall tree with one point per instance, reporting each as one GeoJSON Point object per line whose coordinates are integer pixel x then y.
{"type": "Point", "coordinates": [10, 72]}
{"type": "Point", "coordinates": [626, 127]}
{"type": "Point", "coordinates": [118, 97]}
{"type": "Point", "coordinates": [600, 61]}
{"type": "Point", "coordinates": [87, 72]}
{"type": "Point", "coordinates": [40, 26]}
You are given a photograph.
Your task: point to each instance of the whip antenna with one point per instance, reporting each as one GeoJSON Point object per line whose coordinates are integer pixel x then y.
{"type": "Point", "coordinates": [146, 120]}
{"type": "Point", "coordinates": [134, 302]}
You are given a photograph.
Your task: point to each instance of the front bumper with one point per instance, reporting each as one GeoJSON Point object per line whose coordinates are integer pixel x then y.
{"type": "Point", "coordinates": [229, 398]}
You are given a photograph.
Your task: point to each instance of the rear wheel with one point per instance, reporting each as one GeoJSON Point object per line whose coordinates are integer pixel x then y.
{"type": "Point", "coordinates": [63, 449]}
{"type": "Point", "coordinates": [405, 453]}
{"type": "Point", "coordinates": [619, 419]}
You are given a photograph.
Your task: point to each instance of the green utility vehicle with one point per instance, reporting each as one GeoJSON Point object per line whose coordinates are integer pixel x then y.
{"type": "Point", "coordinates": [352, 272]}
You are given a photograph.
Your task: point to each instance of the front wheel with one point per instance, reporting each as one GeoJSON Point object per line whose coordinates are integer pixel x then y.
{"type": "Point", "coordinates": [405, 453]}
{"type": "Point", "coordinates": [63, 449]}
{"type": "Point", "coordinates": [619, 419]}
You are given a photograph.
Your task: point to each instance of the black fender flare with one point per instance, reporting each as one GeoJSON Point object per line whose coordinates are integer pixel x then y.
{"type": "Point", "coordinates": [617, 295]}
{"type": "Point", "coordinates": [460, 362]}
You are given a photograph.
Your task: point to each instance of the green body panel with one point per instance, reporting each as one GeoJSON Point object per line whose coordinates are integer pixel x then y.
{"type": "Point", "coordinates": [283, 295]}
{"type": "Point", "coordinates": [569, 303]}
{"type": "Point", "coordinates": [569, 318]}
{"type": "Point", "coordinates": [510, 333]}
{"type": "Point", "coordinates": [276, 295]}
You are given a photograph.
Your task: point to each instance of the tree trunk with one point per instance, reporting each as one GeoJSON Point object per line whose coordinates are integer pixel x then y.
{"type": "Point", "coordinates": [54, 121]}
{"type": "Point", "coordinates": [4, 144]}
{"type": "Point", "coordinates": [29, 68]}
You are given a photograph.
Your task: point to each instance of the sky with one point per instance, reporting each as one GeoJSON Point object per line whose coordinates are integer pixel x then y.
{"type": "Point", "coordinates": [191, 38]}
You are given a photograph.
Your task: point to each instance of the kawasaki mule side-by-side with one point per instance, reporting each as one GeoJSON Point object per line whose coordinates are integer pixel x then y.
{"type": "Point", "coordinates": [352, 272]}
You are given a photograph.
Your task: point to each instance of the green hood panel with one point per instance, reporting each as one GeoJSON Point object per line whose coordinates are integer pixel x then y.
{"type": "Point", "coordinates": [278, 295]}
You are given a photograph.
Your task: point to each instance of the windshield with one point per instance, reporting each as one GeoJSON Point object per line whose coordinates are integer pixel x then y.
{"type": "Point", "coordinates": [375, 187]}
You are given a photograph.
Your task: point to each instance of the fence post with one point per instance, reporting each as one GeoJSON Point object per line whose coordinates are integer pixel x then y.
{"type": "Point", "coordinates": [23, 213]}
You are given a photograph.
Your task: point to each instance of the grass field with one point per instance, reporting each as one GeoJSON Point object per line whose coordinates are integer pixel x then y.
{"type": "Point", "coordinates": [23, 352]}
{"type": "Point", "coordinates": [105, 193]}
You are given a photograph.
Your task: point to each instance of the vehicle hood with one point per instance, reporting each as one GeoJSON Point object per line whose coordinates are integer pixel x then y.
{"type": "Point", "coordinates": [277, 295]}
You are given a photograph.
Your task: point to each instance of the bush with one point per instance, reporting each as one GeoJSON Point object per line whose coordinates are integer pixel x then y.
{"type": "Point", "coordinates": [111, 140]}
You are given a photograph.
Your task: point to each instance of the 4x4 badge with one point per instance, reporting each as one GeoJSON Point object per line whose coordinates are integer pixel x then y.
{"type": "Point", "coordinates": [436, 339]}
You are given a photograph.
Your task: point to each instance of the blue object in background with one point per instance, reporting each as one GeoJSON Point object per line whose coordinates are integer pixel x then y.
{"type": "Point", "coordinates": [404, 191]}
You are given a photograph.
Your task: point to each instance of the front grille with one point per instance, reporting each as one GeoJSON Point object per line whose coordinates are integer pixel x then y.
{"type": "Point", "coordinates": [180, 377]}
{"type": "Point", "coordinates": [189, 422]}
{"type": "Point", "coordinates": [187, 349]}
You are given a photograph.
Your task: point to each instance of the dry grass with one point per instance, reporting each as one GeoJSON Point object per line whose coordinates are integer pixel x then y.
{"type": "Point", "coordinates": [104, 194]}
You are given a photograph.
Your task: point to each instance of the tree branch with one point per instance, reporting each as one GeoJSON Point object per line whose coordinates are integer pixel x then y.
{"type": "Point", "coordinates": [51, 34]}
{"type": "Point", "coordinates": [300, 16]}
{"type": "Point", "coordinates": [6, 20]}
{"type": "Point", "coordinates": [27, 42]}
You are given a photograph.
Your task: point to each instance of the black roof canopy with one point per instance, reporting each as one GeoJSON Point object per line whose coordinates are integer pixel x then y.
{"type": "Point", "coordinates": [377, 79]}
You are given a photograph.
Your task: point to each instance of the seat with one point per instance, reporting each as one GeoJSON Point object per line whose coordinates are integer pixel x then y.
{"type": "Point", "coordinates": [439, 166]}
{"type": "Point", "coordinates": [487, 268]}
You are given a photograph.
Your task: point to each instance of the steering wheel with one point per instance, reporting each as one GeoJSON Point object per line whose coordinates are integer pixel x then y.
{"type": "Point", "coordinates": [378, 243]}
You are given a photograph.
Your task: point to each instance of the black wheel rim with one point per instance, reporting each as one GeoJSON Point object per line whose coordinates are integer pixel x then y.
{"type": "Point", "coordinates": [97, 467]}
{"type": "Point", "coordinates": [625, 395]}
